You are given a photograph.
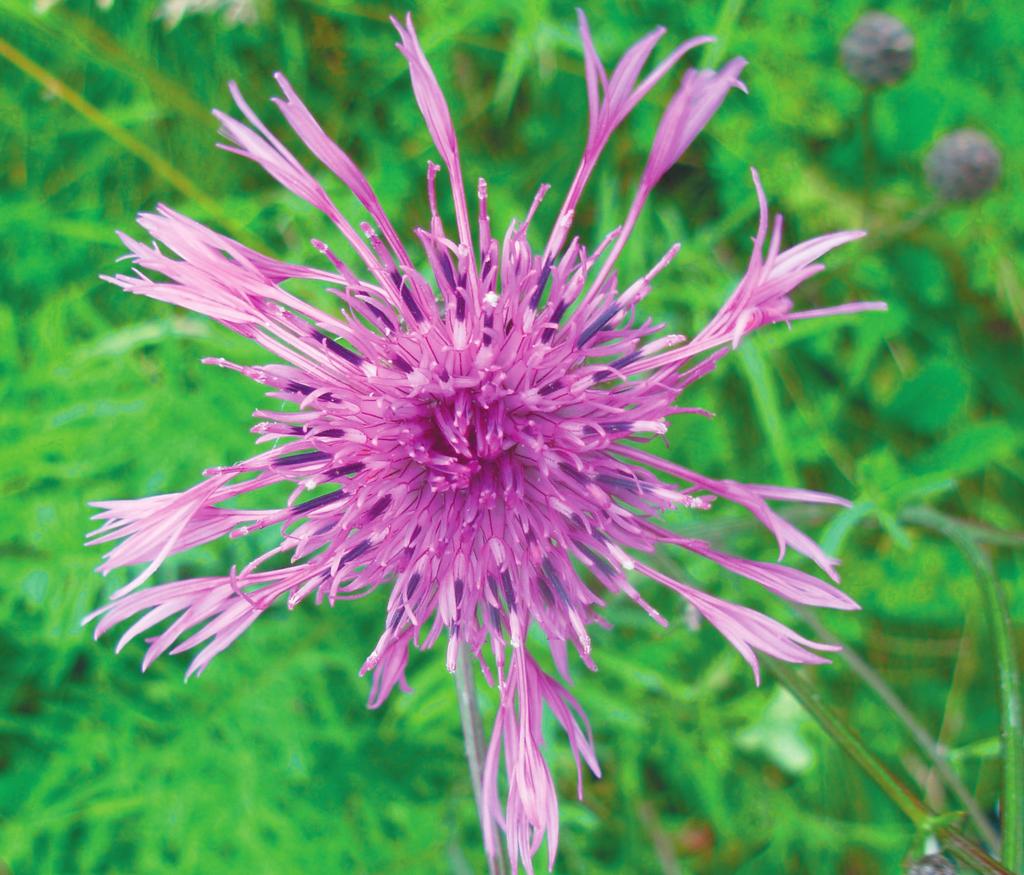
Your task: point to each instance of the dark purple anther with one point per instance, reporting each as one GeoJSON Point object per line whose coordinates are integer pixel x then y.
{"type": "Point", "coordinates": [335, 347]}
{"type": "Point", "coordinates": [508, 589]}
{"type": "Point", "coordinates": [344, 470]}
{"type": "Point", "coordinates": [615, 482]}
{"type": "Point", "coordinates": [300, 459]}
{"type": "Point", "coordinates": [541, 284]}
{"type": "Point", "coordinates": [599, 561]}
{"type": "Point", "coordinates": [378, 508]}
{"type": "Point", "coordinates": [597, 325]}
{"type": "Point", "coordinates": [625, 361]}
{"type": "Point", "coordinates": [319, 501]}
{"type": "Point", "coordinates": [553, 386]}
{"type": "Point", "coordinates": [555, 579]}
{"type": "Point", "coordinates": [381, 316]}
{"type": "Point", "coordinates": [569, 470]}
{"type": "Point", "coordinates": [556, 317]}
{"type": "Point", "coordinates": [447, 270]}
{"type": "Point", "coordinates": [355, 552]}
{"type": "Point", "coordinates": [410, 302]}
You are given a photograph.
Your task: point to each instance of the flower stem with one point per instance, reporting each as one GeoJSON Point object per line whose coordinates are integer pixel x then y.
{"type": "Point", "coordinates": [473, 733]}
{"type": "Point", "coordinates": [994, 602]}
{"type": "Point", "coordinates": [130, 143]}
{"type": "Point", "coordinates": [994, 594]}
{"type": "Point", "coordinates": [811, 700]}
{"type": "Point", "coordinates": [916, 811]}
{"type": "Point", "coordinates": [867, 153]}
{"type": "Point", "coordinates": [901, 712]}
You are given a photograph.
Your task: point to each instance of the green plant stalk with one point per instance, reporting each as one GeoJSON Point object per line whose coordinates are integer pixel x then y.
{"type": "Point", "coordinates": [765, 394]}
{"type": "Point", "coordinates": [473, 734]}
{"type": "Point", "coordinates": [867, 153]}
{"type": "Point", "coordinates": [903, 798]}
{"type": "Point", "coordinates": [997, 612]}
{"type": "Point", "coordinates": [925, 742]}
{"type": "Point", "coordinates": [149, 156]}
{"type": "Point", "coordinates": [80, 33]}
{"type": "Point", "coordinates": [728, 14]}
{"type": "Point", "coordinates": [916, 811]}
{"type": "Point", "coordinates": [977, 532]}
{"type": "Point", "coordinates": [997, 609]}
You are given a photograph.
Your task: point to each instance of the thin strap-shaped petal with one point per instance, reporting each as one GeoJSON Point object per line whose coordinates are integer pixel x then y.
{"type": "Point", "coordinates": [260, 145]}
{"type": "Point", "coordinates": [609, 103]}
{"type": "Point", "coordinates": [697, 99]}
{"type": "Point", "coordinates": [435, 112]}
{"type": "Point", "coordinates": [336, 160]}
{"type": "Point", "coordinates": [746, 629]}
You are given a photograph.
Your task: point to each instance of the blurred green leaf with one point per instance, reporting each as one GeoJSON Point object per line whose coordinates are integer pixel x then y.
{"type": "Point", "coordinates": [931, 400]}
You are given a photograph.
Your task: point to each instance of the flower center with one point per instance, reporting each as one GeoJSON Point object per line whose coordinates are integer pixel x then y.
{"type": "Point", "coordinates": [462, 434]}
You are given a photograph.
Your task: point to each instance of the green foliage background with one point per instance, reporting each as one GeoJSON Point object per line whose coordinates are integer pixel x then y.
{"type": "Point", "coordinates": [270, 763]}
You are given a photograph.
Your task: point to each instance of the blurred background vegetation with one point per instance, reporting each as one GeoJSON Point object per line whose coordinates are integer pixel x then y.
{"type": "Point", "coordinates": [270, 763]}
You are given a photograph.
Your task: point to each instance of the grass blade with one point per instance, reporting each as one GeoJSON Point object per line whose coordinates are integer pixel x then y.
{"type": "Point", "coordinates": [916, 811]}
{"type": "Point", "coordinates": [997, 611]}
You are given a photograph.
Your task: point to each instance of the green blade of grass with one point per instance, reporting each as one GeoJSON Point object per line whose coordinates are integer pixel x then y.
{"type": "Point", "coordinates": [916, 811]}
{"type": "Point", "coordinates": [766, 404]}
{"type": "Point", "coordinates": [728, 14]}
{"type": "Point", "coordinates": [79, 33]}
{"type": "Point", "coordinates": [902, 713]}
{"type": "Point", "coordinates": [994, 602]}
{"type": "Point", "coordinates": [155, 161]}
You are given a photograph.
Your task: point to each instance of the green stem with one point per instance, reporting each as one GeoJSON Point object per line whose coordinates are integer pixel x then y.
{"type": "Point", "coordinates": [997, 609]}
{"type": "Point", "coordinates": [80, 33]}
{"type": "Point", "coordinates": [993, 596]}
{"type": "Point", "coordinates": [153, 159]}
{"type": "Point", "coordinates": [916, 811]}
{"type": "Point", "coordinates": [901, 712]}
{"type": "Point", "coordinates": [728, 15]}
{"type": "Point", "coordinates": [761, 379]}
{"type": "Point", "coordinates": [884, 235]}
{"type": "Point", "coordinates": [810, 698]}
{"type": "Point", "coordinates": [867, 154]}
{"type": "Point", "coordinates": [473, 733]}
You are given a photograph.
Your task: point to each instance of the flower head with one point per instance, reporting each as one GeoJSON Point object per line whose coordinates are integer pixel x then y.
{"type": "Point", "coordinates": [878, 50]}
{"type": "Point", "coordinates": [963, 165]}
{"type": "Point", "coordinates": [465, 431]}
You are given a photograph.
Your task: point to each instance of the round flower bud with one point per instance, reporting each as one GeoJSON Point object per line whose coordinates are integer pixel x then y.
{"type": "Point", "coordinates": [932, 864]}
{"type": "Point", "coordinates": [878, 50]}
{"type": "Point", "coordinates": [962, 165]}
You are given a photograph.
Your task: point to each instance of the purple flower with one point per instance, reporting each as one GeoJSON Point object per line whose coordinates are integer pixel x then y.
{"type": "Point", "coordinates": [465, 430]}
